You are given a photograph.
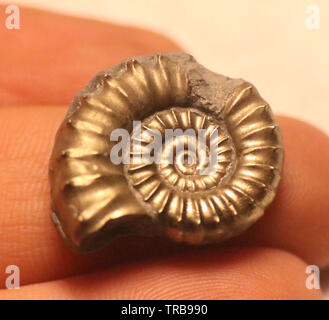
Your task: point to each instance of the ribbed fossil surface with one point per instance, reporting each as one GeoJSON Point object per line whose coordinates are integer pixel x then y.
{"type": "Point", "coordinates": [94, 200]}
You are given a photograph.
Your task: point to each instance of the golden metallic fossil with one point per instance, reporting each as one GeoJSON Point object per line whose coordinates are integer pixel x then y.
{"type": "Point", "coordinates": [95, 200]}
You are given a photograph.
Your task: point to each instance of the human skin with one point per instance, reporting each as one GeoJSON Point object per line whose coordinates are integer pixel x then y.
{"type": "Point", "coordinates": [43, 65]}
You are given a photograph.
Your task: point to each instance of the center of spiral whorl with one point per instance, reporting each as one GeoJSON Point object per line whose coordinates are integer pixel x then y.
{"type": "Point", "coordinates": [178, 154]}
{"type": "Point", "coordinates": [187, 163]}
{"type": "Point", "coordinates": [184, 161]}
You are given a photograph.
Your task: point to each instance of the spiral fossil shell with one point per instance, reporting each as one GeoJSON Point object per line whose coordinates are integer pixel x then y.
{"type": "Point", "coordinates": [94, 200]}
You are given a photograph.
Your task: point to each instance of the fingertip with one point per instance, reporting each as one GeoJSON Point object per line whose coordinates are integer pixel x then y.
{"type": "Point", "coordinates": [40, 69]}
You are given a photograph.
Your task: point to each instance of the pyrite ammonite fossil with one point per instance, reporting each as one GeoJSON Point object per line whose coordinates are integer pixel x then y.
{"type": "Point", "coordinates": [95, 200]}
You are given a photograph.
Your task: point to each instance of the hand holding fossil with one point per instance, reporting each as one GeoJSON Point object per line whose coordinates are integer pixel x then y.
{"type": "Point", "coordinates": [268, 261]}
